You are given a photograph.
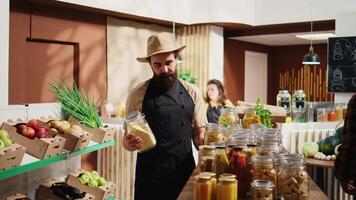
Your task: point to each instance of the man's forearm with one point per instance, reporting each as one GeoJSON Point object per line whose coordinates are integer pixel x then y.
{"type": "Point", "coordinates": [198, 136]}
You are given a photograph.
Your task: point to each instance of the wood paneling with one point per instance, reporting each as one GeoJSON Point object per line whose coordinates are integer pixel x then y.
{"type": "Point", "coordinates": [234, 66]}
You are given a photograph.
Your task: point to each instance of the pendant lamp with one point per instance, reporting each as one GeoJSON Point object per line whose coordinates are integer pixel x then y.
{"type": "Point", "coordinates": [311, 58]}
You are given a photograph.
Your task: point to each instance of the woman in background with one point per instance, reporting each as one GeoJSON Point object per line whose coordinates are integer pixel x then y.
{"type": "Point", "coordinates": [215, 100]}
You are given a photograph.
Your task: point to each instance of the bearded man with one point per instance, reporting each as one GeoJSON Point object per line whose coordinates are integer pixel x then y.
{"type": "Point", "coordinates": [175, 112]}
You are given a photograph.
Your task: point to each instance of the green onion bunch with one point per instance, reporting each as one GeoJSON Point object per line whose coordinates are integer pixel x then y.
{"type": "Point", "coordinates": [77, 104]}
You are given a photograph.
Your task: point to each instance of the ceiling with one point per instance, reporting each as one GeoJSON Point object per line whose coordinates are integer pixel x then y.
{"type": "Point", "coordinates": [284, 39]}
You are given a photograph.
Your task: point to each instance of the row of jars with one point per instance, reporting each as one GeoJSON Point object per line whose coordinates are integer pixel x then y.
{"type": "Point", "coordinates": [229, 117]}
{"type": "Point", "coordinates": [253, 155]}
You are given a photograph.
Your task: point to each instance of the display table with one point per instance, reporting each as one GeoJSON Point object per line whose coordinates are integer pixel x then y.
{"type": "Point", "coordinates": [187, 192]}
{"type": "Point", "coordinates": [319, 163]}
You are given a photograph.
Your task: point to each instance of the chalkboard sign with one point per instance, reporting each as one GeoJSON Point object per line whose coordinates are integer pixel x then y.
{"type": "Point", "coordinates": [342, 64]}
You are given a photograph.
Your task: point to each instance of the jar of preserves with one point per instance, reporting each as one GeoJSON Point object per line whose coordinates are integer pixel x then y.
{"type": "Point", "coordinates": [228, 116]}
{"type": "Point", "coordinates": [250, 118]}
{"type": "Point", "coordinates": [214, 133]}
{"type": "Point", "coordinates": [284, 99]}
{"type": "Point", "coordinates": [205, 150]}
{"type": "Point", "coordinates": [221, 160]}
{"type": "Point", "coordinates": [332, 116]}
{"type": "Point", "coordinates": [238, 166]}
{"type": "Point", "coordinates": [293, 179]}
{"type": "Point", "coordinates": [137, 125]}
{"type": "Point", "coordinates": [213, 181]}
{"type": "Point", "coordinates": [262, 190]}
{"type": "Point", "coordinates": [262, 168]}
{"type": "Point", "coordinates": [227, 189]}
{"type": "Point", "coordinates": [339, 113]}
{"type": "Point", "coordinates": [228, 175]}
{"type": "Point", "coordinates": [208, 164]}
{"type": "Point", "coordinates": [202, 188]}
{"type": "Point", "coordinates": [322, 115]}
{"type": "Point", "coordinates": [298, 100]}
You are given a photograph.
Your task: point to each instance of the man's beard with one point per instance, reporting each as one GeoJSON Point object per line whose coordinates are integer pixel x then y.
{"type": "Point", "coordinates": [164, 81]}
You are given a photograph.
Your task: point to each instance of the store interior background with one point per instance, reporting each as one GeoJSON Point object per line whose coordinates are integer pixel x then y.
{"type": "Point", "coordinates": [96, 43]}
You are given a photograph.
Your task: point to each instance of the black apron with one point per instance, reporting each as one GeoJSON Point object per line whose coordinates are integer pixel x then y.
{"type": "Point", "coordinates": [213, 113]}
{"type": "Point", "coordinates": [162, 172]}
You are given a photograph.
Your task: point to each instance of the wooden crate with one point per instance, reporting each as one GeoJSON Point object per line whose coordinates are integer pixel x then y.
{"type": "Point", "coordinates": [15, 196]}
{"type": "Point", "coordinates": [100, 135]}
{"type": "Point", "coordinates": [11, 156]}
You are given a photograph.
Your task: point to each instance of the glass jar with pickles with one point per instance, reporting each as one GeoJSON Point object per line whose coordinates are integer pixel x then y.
{"type": "Point", "coordinates": [221, 160]}
{"type": "Point", "coordinates": [205, 150]}
{"type": "Point", "coordinates": [250, 118]}
{"type": "Point", "coordinates": [293, 179]}
{"type": "Point", "coordinates": [227, 189]}
{"type": "Point", "coordinates": [262, 190]}
{"type": "Point", "coordinates": [214, 133]}
{"type": "Point", "coordinates": [228, 116]}
{"type": "Point", "coordinates": [202, 188]}
{"type": "Point", "coordinates": [208, 164]}
{"type": "Point", "coordinates": [262, 168]}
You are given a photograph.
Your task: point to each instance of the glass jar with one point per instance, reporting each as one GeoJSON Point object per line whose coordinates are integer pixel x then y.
{"type": "Point", "coordinates": [250, 118]}
{"type": "Point", "coordinates": [227, 189]}
{"type": "Point", "coordinates": [262, 190]}
{"type": "Point", "coordinates": [284, 99]}
{"type": "Point", "coordinates": [221, 160]}
{"type": "Point", "coordinates": [213, 183]}
{"type": "Point", "coordinates": [228, 175]}
{"type": "Point", "coordinates": [238, 166]}
{"type": "Point", "coordinates": [228, 116]}
{"type": "Point", "coordinates": [208, 164]}
{"type": "Point", "coordinates": [339, 113]}
{"type": "Point", "coordinates": [137, 125]}
{"type": "Point", "coordinates": [205, 150]}
{"type": "Point", "coordinates": [322, 115]}
{"type": "Point", "coordinates": [293, 179]}
{"type": "Point", "coordinates": [229, 131]}
{"type": "Point", "coordinates": [331, 116]}
{"type": "Point", "coordinates": [202, 187]}
{"type": "Point", "coordinates": [214, 133]}
{"type": "Point", "coordinates": [299, 100]}
{"type": "Point", "coordinates": [270, 144]}
{"type": "Point", "coordinates": [262, 168]}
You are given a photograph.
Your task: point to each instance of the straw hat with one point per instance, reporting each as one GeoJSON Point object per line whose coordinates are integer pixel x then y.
{"type": "Point", "coordinates": [161, 43]}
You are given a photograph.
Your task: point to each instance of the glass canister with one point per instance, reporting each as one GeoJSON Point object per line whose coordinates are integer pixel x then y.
{"type": "Point", "coordinates": [213, 183]}
{"type": "Point", "coordinates": [137, 125]}
{"type": "Point", "coordinates": [202, 188]}
{"type": "Point", "coordinates": [250, 118]}
{"type": "Point", "coordinates": [208, 164]}
{"type": "Point", "coordinates": [227, 189]}
{"type": "Point", "coordinates": [214, 133]}
{"type": "Point", "coordinates": [238, 166]}
{"type": "Point", "coordinates": [262, 190]}
{"type": "Point", "coordinates": [293, 179]}
{"type": "Point", "coordinates": [299, 100]}
{"type": "Point", "coordinates": [228, 175]}
{"type": "Point", "coordinates": [221, 160]}
{"type": "Point", "coordinates": [231, 130]}
{"type": "Point", "coordinates": [228, 116]}
{"type": "Point", "coordinates": [270, 144]}
{"type": "Point", "coordinates": [262, 168]}
{"type": "Point", "coordinates": [205, 150]}
{"type": "Point", "coordinates": [322, 115]}
{"type": "Point", "coordinates": [284, 99]}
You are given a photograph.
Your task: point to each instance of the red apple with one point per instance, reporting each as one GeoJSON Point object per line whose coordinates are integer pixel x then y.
{"type": "Point", "coordinates": [29, 132]}
{"type": "Point", "coordinates": [32, 123]}
{"type": "Point", "coordinates": [41, 132]}
{"type": "Point", "coordinates": [20, 127]}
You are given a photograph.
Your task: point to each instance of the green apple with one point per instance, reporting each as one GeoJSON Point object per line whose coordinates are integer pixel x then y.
{"type": "Point", "coordinates": [95, 175]}
{"type": "Point", "coordinates": [2, 144]}
{"type": "Point", "coordinates": [102, 181]}
{"type": "Point", "coordinates": [88, 174]}
{"type": "Point", "coordinates": [7, 142]}
{"type": "Point", "coordinates": [93, 183]}
{"type": "Point", "coordinates": [84, 179]}
{"type": "Point", "coordinates": [4, 134]}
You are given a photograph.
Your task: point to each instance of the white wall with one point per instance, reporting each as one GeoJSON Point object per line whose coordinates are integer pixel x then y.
{"type": "Point", "coordinates": [345, 25]}
{"type": "Point", "coordinates": [4, 51]}
{"type": "Point", "coordinates": [216, 53]}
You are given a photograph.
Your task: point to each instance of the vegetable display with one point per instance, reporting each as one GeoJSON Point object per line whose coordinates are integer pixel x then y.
{"type": "Point", "coordinates": [264, 114]}
{"type": "Point", "coordinates": [77, 104]}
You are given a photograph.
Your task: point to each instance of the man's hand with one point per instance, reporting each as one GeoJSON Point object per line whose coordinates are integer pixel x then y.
{"type": "Point", "coordinates": [132, 142]}
{"type": "Point", "coordinates": [198, 136]}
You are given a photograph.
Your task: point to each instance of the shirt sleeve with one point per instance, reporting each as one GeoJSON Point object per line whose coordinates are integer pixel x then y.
{"type": "Point", "coordinates": [200, 119]}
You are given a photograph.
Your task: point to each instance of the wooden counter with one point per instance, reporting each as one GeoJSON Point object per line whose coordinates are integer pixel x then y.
{"type": "Point", "coordinates": [187, 192]}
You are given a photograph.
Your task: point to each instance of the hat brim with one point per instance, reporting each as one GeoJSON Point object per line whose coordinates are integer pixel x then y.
{"type": "Point", "coordinates": [145, 59]}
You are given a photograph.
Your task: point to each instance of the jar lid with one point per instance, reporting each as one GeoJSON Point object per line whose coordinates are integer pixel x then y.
{"type": "Point", "coordinates": [293, 161]}
{"type": "Point", "coordinates": [262, 184]}
{"type": "Point", "coordinates": [299, 92]}
{"type": "Point", "coordinates": [238, 140]}
{"type": "Point", "coordinates": [226, 179]}
{"type": "Point", "coordinates": [283, 92]}
{"type": "Point", "coordinates": [228, 175]}
{"type": "Point", "coordinates": [257, 126]}
{"type": "Point", "coordinates": [211, 174]}
{"type": "Point", "coordinates": [203, 177]}
{"type": "Point", "coordinates": [218, 145]}
{"type": "Point", "coordinates": [228, 109]}
{"type": "Point", "coordinates": [233, 129]}
{"type": "Point", "coordinates": [206, 147]}
{"type": "Point", "coordinates": [134, 116]}
{"type": "Point", "coordinates": [262, 160]}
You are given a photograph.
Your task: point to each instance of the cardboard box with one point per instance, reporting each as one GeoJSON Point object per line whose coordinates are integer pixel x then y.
{"type": "Point", "coordinates": [11, 156]}
{"type": "Point", "coordinates": [44, 192]}
{"type": "Point", "coordinates": [100, 193]}
{"type": "Point", "coordinates": [100, 135]}
{"type": "Point", "coordinates": [74, 142]}
{"type": "Point", "coordinates": [15, 196]}
{"type": "Point", "coordinates": [38, 147]}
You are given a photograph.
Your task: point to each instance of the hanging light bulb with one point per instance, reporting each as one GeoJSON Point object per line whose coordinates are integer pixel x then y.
{"type": "Point", "coordinates": [311, 58]}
